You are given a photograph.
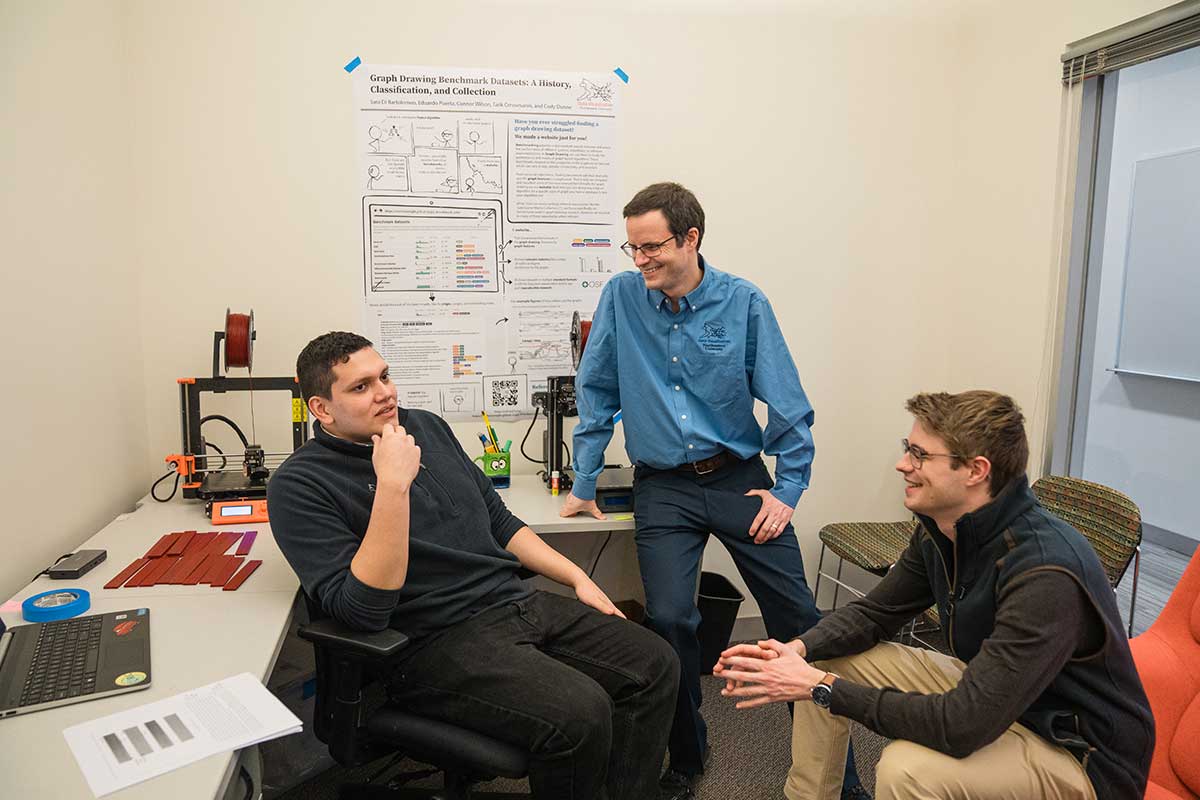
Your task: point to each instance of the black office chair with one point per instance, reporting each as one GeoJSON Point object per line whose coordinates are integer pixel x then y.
{"type": "Point", "coordinates": [348, 662]}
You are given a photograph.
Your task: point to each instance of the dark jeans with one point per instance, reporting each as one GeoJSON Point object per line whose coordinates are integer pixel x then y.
{"type": "Point", "coordinates": [675, 513]}
{"type": "Point", "coordinates": [589, 696]}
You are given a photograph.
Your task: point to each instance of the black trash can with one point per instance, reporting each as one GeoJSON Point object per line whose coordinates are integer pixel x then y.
{"type": "Point", "coordinates": [718, 603]}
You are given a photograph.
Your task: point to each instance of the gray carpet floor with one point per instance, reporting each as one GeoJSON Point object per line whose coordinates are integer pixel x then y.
{"type": "Point", "coordinates": [751, 753]}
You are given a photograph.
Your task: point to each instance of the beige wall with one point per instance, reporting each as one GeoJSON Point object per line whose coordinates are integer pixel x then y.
{"type": "Point", "coordinates": [72, 427]}
{"type": "Point", "coordinates": [884, 172]}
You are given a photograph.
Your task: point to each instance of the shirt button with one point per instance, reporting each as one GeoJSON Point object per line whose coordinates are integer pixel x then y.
{"type": "Point", "coordinates": [683, 416]}
{"type": "Point", "coordinates": [677, 388]}
{"type": "Point", "coordinates": [695, 308]}
{"type": "Point", "coordinates": [690, 446]}
{"type": "Point", "coordinates": [674, 358]}
{"type": "Point", "coordinates": [675, 326]}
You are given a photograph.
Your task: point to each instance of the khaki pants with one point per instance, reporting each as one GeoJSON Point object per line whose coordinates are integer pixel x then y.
{"type": "Point", "coordinates": [1020, 764]}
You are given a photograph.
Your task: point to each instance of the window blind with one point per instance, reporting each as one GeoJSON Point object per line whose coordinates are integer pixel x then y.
{"type": "Point", "coordinates": [1164, 32]}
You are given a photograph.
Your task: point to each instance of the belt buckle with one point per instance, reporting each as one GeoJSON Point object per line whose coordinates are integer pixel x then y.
{"type": "Point", "coordinates": [705, 471]}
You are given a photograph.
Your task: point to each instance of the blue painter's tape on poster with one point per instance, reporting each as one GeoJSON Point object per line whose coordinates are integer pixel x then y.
{"type": "Point", "coordinates": [621, 74]}
{"type": "Point", "coordinates": [353, 65]}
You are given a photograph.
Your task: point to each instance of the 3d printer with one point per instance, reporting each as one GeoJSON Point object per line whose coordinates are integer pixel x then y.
{"type": "Point", "coordinates": [208, 476]}
{"type": "Point", "coordinates": [614, 486]}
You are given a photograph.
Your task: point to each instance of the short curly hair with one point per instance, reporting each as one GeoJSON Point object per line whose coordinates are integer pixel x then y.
{"type": "Point", "coordinates": [314, 365]}
{"type": "Point", "coordinates": [977, 423]}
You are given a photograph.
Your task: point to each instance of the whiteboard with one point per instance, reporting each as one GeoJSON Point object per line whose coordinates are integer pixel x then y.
{"type": "Point", "coordinates": [1160, 314]}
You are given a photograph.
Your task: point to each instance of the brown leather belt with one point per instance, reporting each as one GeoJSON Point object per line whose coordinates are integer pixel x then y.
{"type": "Point", "coordinates": [708, 465]}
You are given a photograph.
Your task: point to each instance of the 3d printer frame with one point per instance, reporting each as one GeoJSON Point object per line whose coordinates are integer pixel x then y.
{"type": "Point", "coordinates": [210, 484]}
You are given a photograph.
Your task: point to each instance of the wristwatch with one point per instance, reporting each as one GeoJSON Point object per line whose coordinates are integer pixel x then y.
{"type": "Point", "coordinates": [822, 693]}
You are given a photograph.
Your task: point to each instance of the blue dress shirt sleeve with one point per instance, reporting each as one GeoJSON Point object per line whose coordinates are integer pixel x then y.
{"type": "Point", "coordinates": [775, 381]}
{"type": "Point", "coordinates": [597, 396]}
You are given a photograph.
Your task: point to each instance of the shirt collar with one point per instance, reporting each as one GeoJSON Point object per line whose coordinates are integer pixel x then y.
{"type": "Point", "coordinates": [357, 449]}
{"type": "Point", "coordinates": [693, 298]}
{"type": "Point", "coordinates": [992, 519]}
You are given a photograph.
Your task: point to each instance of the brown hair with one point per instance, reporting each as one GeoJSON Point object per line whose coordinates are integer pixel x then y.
{"type": "Point", "coordinates": [677, 204]}
{"type": "Point", "coordinates": [314, 366]}
{"type": "Point", "coordinates": [977, 423]}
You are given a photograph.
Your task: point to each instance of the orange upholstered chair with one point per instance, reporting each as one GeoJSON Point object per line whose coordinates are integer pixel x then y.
{"type": "Point", "coordinates": [1168, 660]}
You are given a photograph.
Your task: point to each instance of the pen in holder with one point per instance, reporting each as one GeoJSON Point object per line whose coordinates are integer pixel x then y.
{"type": "Point", "coordinates": [497, 467]}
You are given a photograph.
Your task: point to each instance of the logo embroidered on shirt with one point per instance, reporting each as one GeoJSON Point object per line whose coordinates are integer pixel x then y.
{"type": "Point", "coordinates": [715, 338]}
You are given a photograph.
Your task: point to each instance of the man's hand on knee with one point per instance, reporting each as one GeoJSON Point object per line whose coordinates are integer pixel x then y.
{"type": "Point", "coordinates": [772, 518]}
{"type": "Point", "coordinates": [769, 672]}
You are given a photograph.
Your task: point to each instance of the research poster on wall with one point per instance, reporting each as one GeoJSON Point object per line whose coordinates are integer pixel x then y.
{"type": "Point", "coordinates": [490, 215]}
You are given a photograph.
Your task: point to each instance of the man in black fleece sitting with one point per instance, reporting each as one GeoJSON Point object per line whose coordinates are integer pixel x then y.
{"type": "Point", "coordinates": [388, 523]}
{"type": "Point", "coordinates": [1039, 696]}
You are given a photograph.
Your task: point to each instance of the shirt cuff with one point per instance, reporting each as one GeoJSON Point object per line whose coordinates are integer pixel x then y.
{"type": "Point", "coordinates": [852, 700]}
{"type": "Point", "coordinates": [814, 643]}
{"type": "Point", "coordinates": [787, 493]}
{"type": "Point", "coordinates": [584, 488]}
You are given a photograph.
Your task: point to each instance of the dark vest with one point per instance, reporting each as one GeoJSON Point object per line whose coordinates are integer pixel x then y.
{"type": "Point", "coordinates": [1095, 707]}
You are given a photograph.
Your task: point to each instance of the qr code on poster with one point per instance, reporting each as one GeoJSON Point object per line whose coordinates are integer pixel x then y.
{"type": "Point", "coordinates": [506, 393]}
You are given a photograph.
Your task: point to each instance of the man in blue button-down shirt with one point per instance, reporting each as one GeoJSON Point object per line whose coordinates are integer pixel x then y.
{"type": "Point", "coordinates": [683, 350]}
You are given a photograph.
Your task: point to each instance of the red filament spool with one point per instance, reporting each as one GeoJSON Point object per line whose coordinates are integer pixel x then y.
{"type": "Point", "coordinates": [239, 339]}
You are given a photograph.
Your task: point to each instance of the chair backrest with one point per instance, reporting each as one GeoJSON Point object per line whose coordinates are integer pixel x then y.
{"type": "Point", "coordinates": [1109, 519]}
{"type": "Point", "coordinates": [323, 700]}
{"type": "Point", "coordinates": [1168, 661]}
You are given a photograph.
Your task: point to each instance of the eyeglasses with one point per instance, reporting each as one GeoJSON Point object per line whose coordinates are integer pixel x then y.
{"type": "Point", "coordinates": [917, 456]}
{"type": "Point", "coordinates": [648, 250]}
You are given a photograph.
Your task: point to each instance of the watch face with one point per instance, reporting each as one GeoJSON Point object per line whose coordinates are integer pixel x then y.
{"type": "Point", "coordinates": [822, 695]}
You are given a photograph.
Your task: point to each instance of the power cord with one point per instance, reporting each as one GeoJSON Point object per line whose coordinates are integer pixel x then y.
{"type": "Point", "coordinates": [47, 569]}
{"type": "Point", "coordinates": [536, 410]}
{"type": "Point", "coordinates": [596, 560]}
{"type": "Point", "coordinates": [168, 498]}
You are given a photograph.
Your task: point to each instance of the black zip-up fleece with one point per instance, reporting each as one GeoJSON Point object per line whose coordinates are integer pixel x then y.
{"type": "Point", "coordinates": [320, 502]}
{"type": "Point", "coordinates": [1025, 602]}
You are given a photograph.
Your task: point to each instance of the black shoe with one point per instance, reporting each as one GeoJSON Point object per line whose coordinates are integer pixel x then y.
{"type": "Point", "coordinates": [855, 792]}
{"type": "Point", "coordinates": [676, 785]}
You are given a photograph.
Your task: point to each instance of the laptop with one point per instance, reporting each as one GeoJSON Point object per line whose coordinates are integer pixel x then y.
{"type": "Point", "coordinates": [49, 664]}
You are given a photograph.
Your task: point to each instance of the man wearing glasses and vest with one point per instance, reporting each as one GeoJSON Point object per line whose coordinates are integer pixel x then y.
{"type": "Point", "coordinates": [683, 350]}
{"type": "Point", "coordinates": [1039, 697]}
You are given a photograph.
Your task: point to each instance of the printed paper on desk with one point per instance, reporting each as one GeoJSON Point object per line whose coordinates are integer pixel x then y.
{"type": "Point", "coordinates": [132, 746]}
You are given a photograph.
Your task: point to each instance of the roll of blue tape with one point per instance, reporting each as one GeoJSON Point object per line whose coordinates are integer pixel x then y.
{"type": "Point", "coordinates": [55, 605]}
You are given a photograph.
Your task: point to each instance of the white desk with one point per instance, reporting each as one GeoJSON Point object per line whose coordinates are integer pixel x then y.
{"type": "Point", "coordinates": [199, 634]}
{"type": "Point", "coordinates": [528, 498]}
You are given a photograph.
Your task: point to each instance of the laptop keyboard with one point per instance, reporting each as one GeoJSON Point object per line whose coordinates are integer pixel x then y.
{"type": "Point", "coordinates": [64, 661]}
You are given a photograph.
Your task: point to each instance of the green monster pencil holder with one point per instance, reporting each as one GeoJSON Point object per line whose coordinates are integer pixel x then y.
{"type": "Point", "coordinates": [497, 467]}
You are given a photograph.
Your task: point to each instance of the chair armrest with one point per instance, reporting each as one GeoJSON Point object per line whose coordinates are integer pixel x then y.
{"type": "Point", "coordinates": [329, 633]}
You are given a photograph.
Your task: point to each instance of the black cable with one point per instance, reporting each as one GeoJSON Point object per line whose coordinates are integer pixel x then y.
{"type": "Point", "coordinates": [230, 423]}
{"type": "Point", "coordinates": [566, 463]}
{"type": "Point", "coordinates": [47, 569]}
{"type": "Point", "coordinates": [224, 459]}
{"type": "Point", "coordinates": [168, 498]}
{"type": "Point", "coordinates": [536, 409]}
{"type": "Point", "coordinates": [596, 560]}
